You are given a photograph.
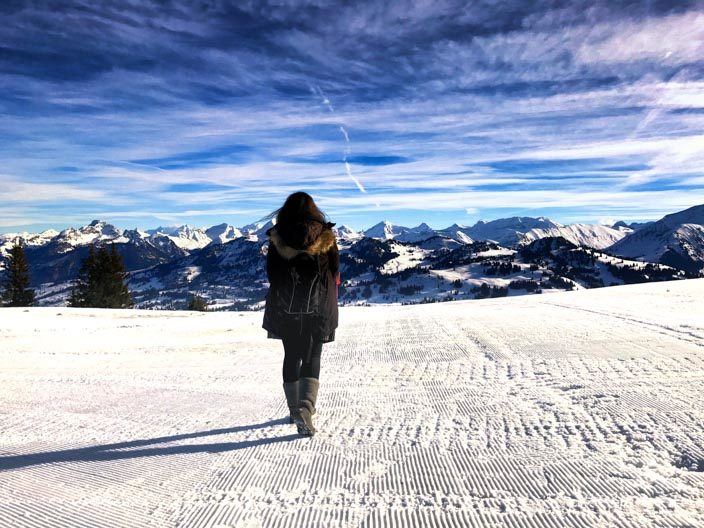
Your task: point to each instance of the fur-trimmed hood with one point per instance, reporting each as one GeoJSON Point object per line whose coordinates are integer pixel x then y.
{"type": "Point", "coordinates": [321, 244]}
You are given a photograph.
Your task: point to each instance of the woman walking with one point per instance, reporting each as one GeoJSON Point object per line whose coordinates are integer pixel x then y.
{"type": "Point", "coordinates": [301, 305]}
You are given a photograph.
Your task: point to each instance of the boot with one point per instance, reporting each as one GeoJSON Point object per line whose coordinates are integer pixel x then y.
{"type": "Point", "coordinates": [291, 391]}
{"type": "Point", "coordinates": [308, 394]}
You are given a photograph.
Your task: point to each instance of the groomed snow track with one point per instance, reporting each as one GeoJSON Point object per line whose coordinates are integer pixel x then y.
{"type": "Point", "coordinates": [578, 409]}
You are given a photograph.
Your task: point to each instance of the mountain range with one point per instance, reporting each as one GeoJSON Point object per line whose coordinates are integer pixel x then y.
{"type": "Point", "coordinates": [385, 263]}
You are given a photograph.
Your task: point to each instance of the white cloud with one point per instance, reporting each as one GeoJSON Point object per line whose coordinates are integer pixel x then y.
{"type": "Point", "coordinates": [13, 190]}
{"type": "Point", "coordinates": [675, 39]}
{"type": "Point", "coordinates": [531, 200]}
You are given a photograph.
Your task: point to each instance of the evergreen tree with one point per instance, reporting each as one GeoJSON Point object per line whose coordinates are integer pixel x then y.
{"type": "Point", "coordinates": [83, 293]}
{"type": "Point", "coordinates": [197, 303]}
{"type": "Point", "coordinates": [117, 294]}
{"type": "Point", "coordinates": [17, 291]}
{"type": "Point", "coordinates": [100, 282]}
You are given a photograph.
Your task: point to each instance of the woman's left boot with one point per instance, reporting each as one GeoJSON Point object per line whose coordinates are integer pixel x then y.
{"type": "Point", "coordinates": [291, 391]}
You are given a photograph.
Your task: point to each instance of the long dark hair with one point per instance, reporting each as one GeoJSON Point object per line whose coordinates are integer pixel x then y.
{"type": "Point", "coordinates": [298, 207]}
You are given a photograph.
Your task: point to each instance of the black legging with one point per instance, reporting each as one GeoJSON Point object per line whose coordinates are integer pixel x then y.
{"type": "Point", "coordinates": [295, 352]}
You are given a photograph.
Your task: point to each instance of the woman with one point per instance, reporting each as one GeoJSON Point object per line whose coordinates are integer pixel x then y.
{"type": "Point", "coordinates": [301, 305]}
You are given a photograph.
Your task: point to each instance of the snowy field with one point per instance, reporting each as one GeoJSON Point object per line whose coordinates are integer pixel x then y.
{"type": "Point", "coordinates": [571, 409]}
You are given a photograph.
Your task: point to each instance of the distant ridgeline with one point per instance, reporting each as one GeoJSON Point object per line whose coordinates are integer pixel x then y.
{"type": "Point", "coordinates": [385, 264]}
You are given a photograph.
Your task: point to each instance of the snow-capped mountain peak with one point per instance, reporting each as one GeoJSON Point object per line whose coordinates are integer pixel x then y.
{"type": "Point", "coordinates": [222, 233]}
{"type": "Point", "coordinates": [96, 231]}
{"type": "Point", "coordinates": [416, 234]}
{"type": "Point", "coordinates": [256, 231]}
{"type": "Point", "coordinates": [457, 232]}
{"type": "Point", "coordinates": [345, 233]}
{"type": "Point", "coordinates": [384, 230]}
{"type": "Point", "coordinates": [184, 236]}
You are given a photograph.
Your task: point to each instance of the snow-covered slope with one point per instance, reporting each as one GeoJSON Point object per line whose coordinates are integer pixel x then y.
{"type": "Point", "coordinates": [29, 239]}
{"type": "Point", "coordinates": [184, 236]}
{"type": "Point", "coordinates": [579, 410]}
{"type": "Point", "coordinates": [96, 231]}
{"type": "Point", "coordinates": [457, 232]}
{"type": "Point", "coordinates": [346, 234]}
{"type": "Point", "coordinates": [590, 235]}
{"type": "Point", "coordinates": [384, 231]}
{"type": "Point", "coordinates": [407, 257]}
{"type": "Point", "coordinates": [676, 239]}
{"type": "Point", "coordinates": [229, 273]}
{"type": "Point", "coordinates": [633, 226]}
{"type": "Point", "coordinates": [256, 231]}
{"type": "Point", "coordinates": [7, 240]}
{"type": "Point", "coordinates": [416, 234]}
{"type": "Point", "coordinates": [439, 242]}
{"type": "Point", "coordinates": [508, 231]}
{"type": "Point", "coordinates": [404, 265]}
{"type": "Point", "coordinates": [505, 231]}
{"type": "Point", "coordinates": [387, 231]}
{"type": "Point", "coordinates": [222, 233]}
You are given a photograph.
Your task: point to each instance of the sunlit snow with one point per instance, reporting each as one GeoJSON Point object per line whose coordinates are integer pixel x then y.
{"type": "Point", "coordinates": [580, 409]}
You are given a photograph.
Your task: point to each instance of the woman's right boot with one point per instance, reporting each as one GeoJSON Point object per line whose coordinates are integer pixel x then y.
{"type": "Point", "coordinates": [307, 397]}
{"type": "Point", "coordinates": [291, 389]}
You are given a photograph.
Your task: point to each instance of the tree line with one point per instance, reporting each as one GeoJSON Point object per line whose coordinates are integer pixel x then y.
{"type": "Point", "coordinates": [100, 282]}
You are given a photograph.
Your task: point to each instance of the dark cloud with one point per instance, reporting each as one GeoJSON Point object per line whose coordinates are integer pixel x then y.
{"type": "Point", "coordinates": [369, 51]}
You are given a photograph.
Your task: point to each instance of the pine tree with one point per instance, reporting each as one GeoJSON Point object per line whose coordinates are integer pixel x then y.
{"type": "Point", "coordinates": [100, 282]}
{"type": "Point", "coordinates": [197, 303]}
{"type": "Point", "coordinates": [117, 294]}
{"type": "Point", "coordinates": [17, 291]}
{"type": "Point", "coordinates": [82, 294]}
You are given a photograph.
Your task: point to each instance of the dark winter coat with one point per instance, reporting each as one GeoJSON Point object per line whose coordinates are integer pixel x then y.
{"type": "Point", "coordinates": [292, 248]}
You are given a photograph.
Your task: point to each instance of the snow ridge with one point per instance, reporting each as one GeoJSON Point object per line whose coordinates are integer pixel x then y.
{"type": "Point", "coordinates": [590, 235]}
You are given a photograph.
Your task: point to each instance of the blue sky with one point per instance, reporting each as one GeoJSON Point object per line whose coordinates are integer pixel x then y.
{"type": "Point", "coordinates": [155, 113]}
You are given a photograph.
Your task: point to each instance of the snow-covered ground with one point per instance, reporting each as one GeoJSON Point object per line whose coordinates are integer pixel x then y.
{"type": "Point", "coordinates": [575, 409]}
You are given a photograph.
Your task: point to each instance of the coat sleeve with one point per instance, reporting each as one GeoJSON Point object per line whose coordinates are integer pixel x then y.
{"type": "Point", "coordinates": [273, 264]}
{"type": "Point", "coordinates": [334, 259]}
{"type": "Point", "coordinates": [334, 264]}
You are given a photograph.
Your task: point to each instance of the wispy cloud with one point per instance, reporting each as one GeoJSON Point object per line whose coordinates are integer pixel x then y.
{"type": "Point", "coordinates": [13, 190]}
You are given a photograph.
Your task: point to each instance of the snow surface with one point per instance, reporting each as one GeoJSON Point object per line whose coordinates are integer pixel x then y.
{"type": "Point", "coordinates": [575, 409]}
{"type": "Point", "coordinates": [408, 257]}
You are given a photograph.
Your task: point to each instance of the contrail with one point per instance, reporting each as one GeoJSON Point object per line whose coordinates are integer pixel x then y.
{"type": "Point", "coordinates": [658, 108]}
{"type": "Point", "coordinates": [654, 113]}
{"type": "Point", "coordinates": [152, 167]}
{"type": "Point", "coordinates": [348, 151]}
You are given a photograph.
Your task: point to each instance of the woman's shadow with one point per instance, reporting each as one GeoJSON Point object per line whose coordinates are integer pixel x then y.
{"type": "Point", "coordinates": [122, 450]}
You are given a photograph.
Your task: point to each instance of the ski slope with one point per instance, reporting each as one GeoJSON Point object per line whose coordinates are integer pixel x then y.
{"type": "Point", "coordinates": [574, 409]}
